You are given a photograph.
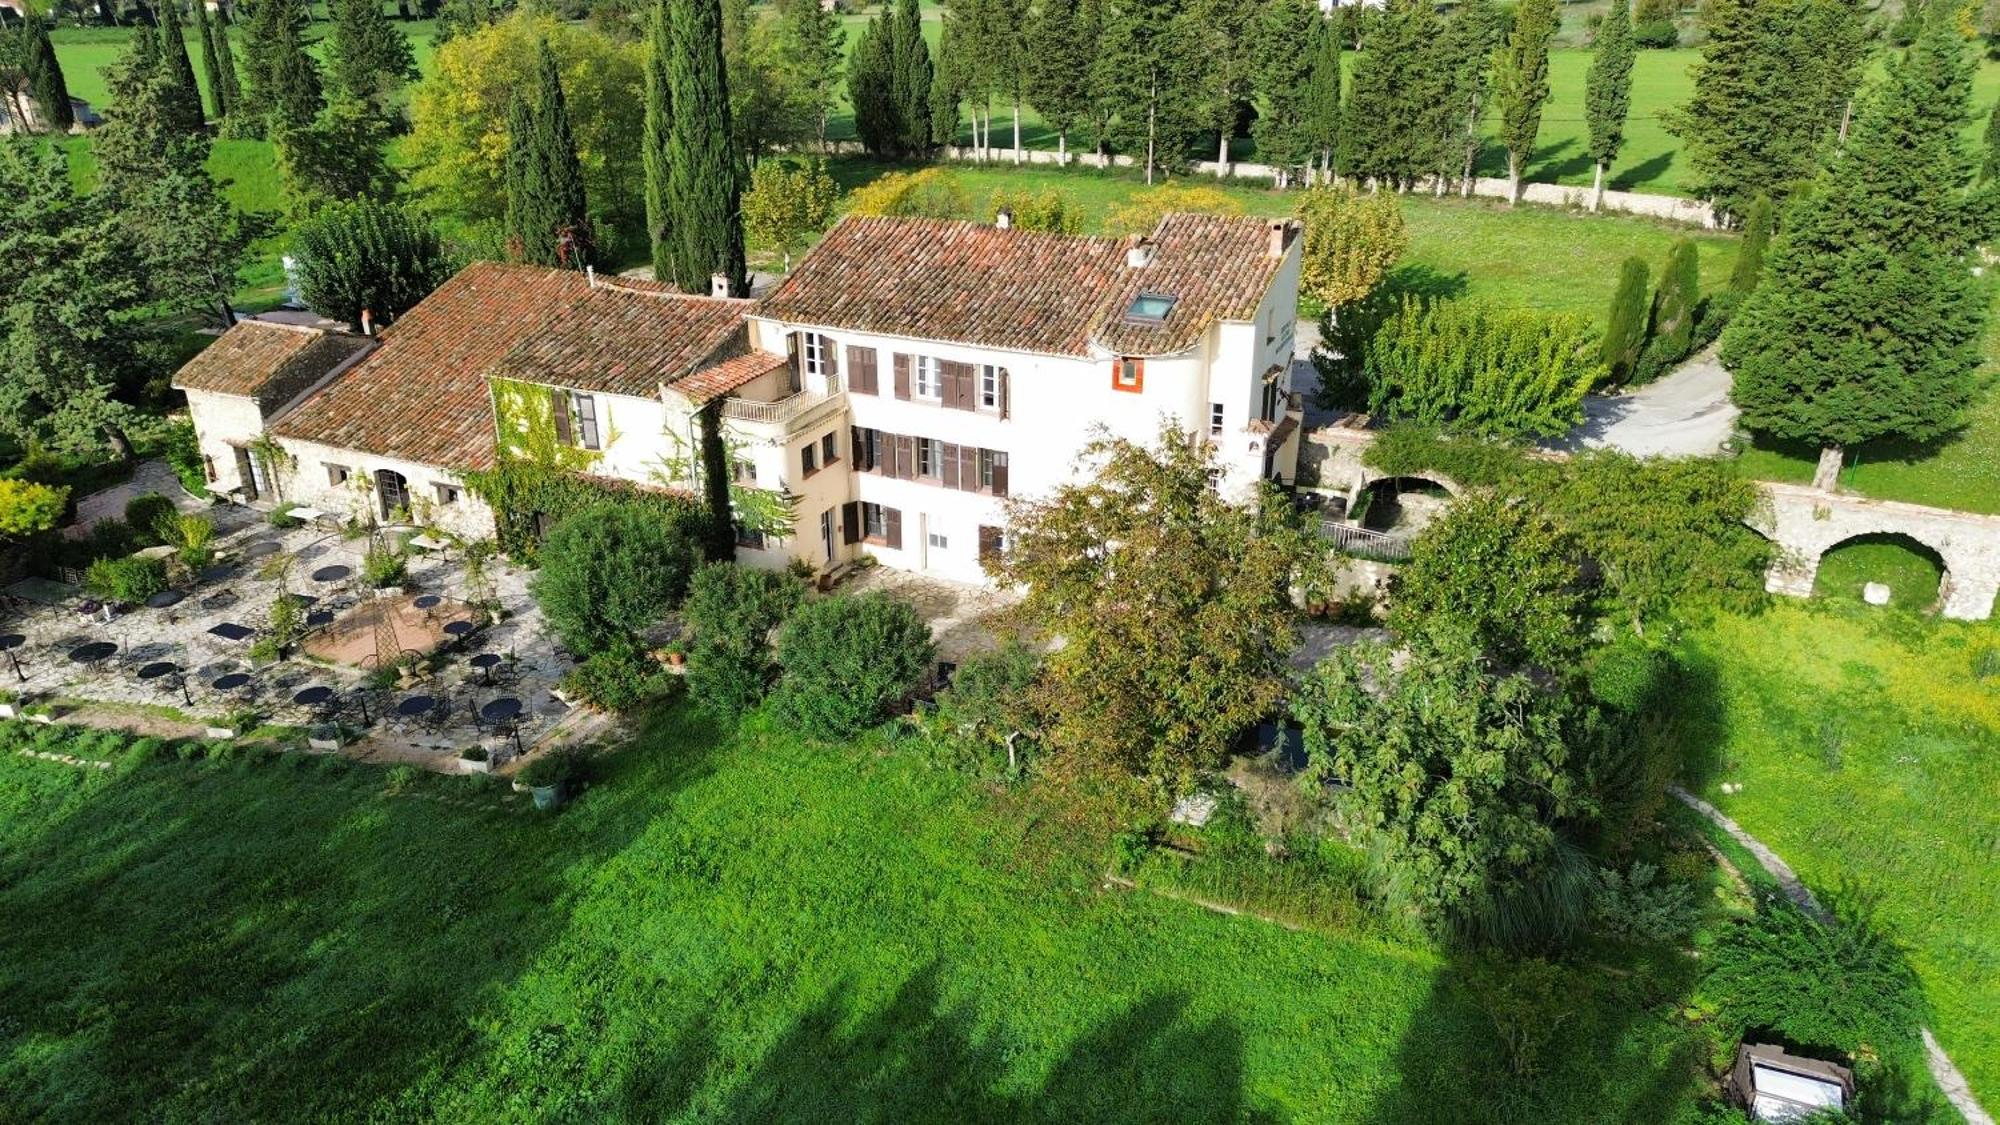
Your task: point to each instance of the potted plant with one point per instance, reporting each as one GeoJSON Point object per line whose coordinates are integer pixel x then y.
{"type": "Point", "coordinates": [475, 759]}
{"type": "Point", "coordinates": [43, 713]}
{"type": "Point", "coordinates": [10, 705]}
{"type": "Point", "coordinates": [326, 737]}
{"type": "Point", "coordinates": [233, 725]}
{"type": "Point", "coordinates": [550, 777]}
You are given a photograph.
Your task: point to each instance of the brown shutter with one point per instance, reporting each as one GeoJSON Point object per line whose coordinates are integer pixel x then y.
{"type": "Point", "coordinates": [961, 385]}
{"type": "Point", "coordinates": [968, 468]}
{"type": "Point", "coordinates": [1003, 393]}
{"type": "Point", "coordinates": [559, 404]}
{"type": "Point", "coordinates": [850, 522]}
{"type": "Point", "coordinates": [906, 457]}
{"type": "Point", "coordinates": [989, 542]}
{"type": "Point", "coordinates": [861, 370]}
{"type": "Point", "coordinates": [902, 376]}
{"type": "Point", "coordinates": [859, 448]}
{"type": "Point", "coordinates": [999, 473]}
{"type": "Point", "coordinates": [947, 464]}
{"type": "Point", "coordinates": [892, 527]}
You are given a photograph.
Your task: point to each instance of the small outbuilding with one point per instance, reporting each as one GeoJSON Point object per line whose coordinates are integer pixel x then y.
{"type": "Point", "coordinates": [1774, 1085]}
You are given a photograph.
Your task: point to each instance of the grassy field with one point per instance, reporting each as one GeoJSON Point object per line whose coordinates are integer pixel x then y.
{"type": "Point", "coordinates": [1912, 574]}
{"type": "Point", "coordinates": [1864, 740]}
{"type": "Point", "coordinates": [741, 928]}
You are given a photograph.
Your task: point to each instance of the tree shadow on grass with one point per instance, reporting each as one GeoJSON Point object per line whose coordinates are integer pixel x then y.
{"type": "Point", "coordinates": [1640, 175]}
{"type": "Point", "coordinates": [284, 940]}
{"type": "Point", "coordinates": [917, 1059]}
{"type": "Point", "coordinates": [1553, 162]}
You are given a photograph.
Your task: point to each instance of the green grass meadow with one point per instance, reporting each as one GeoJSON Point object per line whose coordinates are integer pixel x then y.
{"type": "Point", "coordinates": [1865, 741]}
{"type": "Point", "coordinates": [738, 927]}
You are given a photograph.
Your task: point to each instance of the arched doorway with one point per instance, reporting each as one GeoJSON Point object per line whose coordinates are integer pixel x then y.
{"type": "Point", "coordinates": [392, 490]}
{"type": "Point", "coordinates": [1400, 504]}
{"type": "Point", "coordinates": [1913, 572]}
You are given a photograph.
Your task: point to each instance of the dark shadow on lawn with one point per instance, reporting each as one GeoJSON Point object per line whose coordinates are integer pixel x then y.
{"type": "Point", "coordinates": [284, 940]}
{"type": "Point", "coordinates": [917, 1060]}
{"type": "Point", "coordinates": [1641, 175]}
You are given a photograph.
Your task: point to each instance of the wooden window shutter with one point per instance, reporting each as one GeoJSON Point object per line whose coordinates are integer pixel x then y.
{"type": "Point", "coordinates": [861, 370]}
{"type": "Point", "coordinates": [860, 450]}
{"type": "Point", "coordinates": [559, 406]}
{"type": "Point", "coordinates": [1003, 393]}
{"type": "Point", "coordinates": [906, 457]}
{"type": "Point", "coordinates": [968, 468]}
{"type": "Point", "coordinates": [902, 375]}
{"type": "Point", "coordinates": [948, 465]}
{"type": "Point", "coordinates": [961, 385]}
{"type": "Point", "coordinates": [989, 542]}
{"type": "Point", "coordinates": [850, 522]}
{"type": "Point", "coordinates": [999, 473]}
{"type": "Point", "coordinates": [892, 527]}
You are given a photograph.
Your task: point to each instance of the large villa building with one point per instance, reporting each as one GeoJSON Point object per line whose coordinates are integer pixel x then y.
{"type": "Point", "coordinates": [884, 399]}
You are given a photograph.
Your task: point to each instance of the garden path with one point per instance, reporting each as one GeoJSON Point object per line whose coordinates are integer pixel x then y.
{"type": "Point", "coordinates": [1686, 413]}
{"type": "Point", "coordinates": [109, 503]}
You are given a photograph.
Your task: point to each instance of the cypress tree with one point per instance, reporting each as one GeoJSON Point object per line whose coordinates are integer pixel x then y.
{"type": "Point", "coordinates": [283, 88]}
{"type": "Point", "coordinates": [45, 76]}
{"type": "Point", "coordinates": [1607, 96]}
{"type": "Point", "coordinates": [1989, 165]}
{"type": "Point", "coordinates": [228, 92]}
{"type": "Point", "coordinates": [1284, 77]}
{"type": "Point", "coordinates": [1866, 321]}
{"type": "Point", "coordinates": [1674, 301]}
{"type": "Point", "coordinates": [367, 57]}
{"type": "Point", "coordinates": [1385, 98]}
{"type": "Point", "coordinates": [1322, 123]}
{"type": "Point", "coordinates": [877, 120]}
{"type": "Point", "coordinates": [910, 78]}
{"type": "Point", "coordinates": [1058, 60]}
{"type": "Point", "coordinates": [948, 83]}
{"type": "Point", "coordinates": [185, 106]}
{"type": "Point", "coordinates": [1750, 252]}
{"type": "Point", "coordinates": [653, 146]}
{"type": "Point", "coordinates": [1521, 85]}
{"type": "Point", "coordinates": [1626, 333]}
{"type": "Point", "coordinates": [704, 176]}
{"type": "Point", "coordinates": [548, 222]}
{"type": "Point", "coordinates": [211, 64]}
{"type": "Point", "coordinates": [1151, 84]}
{"type": "Point", "coordinates": [1459, 63]}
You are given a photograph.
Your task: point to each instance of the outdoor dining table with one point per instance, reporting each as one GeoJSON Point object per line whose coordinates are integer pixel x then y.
{"type": "Point", "coordinates": [314, 696]}
{"type": "Point", "coordinates": [505, 709]}
{"type": "Point", "coordinates": [159, 669]}
{"type": "Point", "coordinates": [95, 652]}
{"type": "Point", "coordinates": [319, 617]}
{"type": "Point", "coordinates": [230, 681]}
{"type": "Point", "coordinates": [414, 706]}
{"type": "Point", "coordinates": [332, 573]}
{"type": "Point", "coordinates": [263, 550]}
{"type": "Point", "coordinates": [8, 644]}
{"type": "Point", "coordinates": [231, 631]}
{"type": "Point", "coordinates": [486, 662]}
{"type": "Point", "coordinates": [216, 573]}
{"type": "Point", "coordinates": [459, 630]}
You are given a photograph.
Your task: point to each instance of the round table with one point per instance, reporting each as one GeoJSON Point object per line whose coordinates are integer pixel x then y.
{"type": "Point", "coordinates": [331, 573]}
{"type": "Point", "coordinates": [157, 669]}
{"type": "Point", "coordinates": [486, 662]}
{"type": "Point", "coordinates": [230, 681]}
{"type": "Point", "coordinates": [313, 696]}
{"type": "Point", "coordinates": [505, 710]}
{"type": "Point", "coordinates": [458, 630]}
{"type": "Point", "coordinates": [415, 705]}
{"type": "Point", "coordinates": [216, 573]}
{"type": "Point", "coordinates": [319, 617]}
{"type": "Point", "coordinates": [427, 601]}
{"type": "Point", "coordinates": [92, 653]}
{"type": "Point", "coordinates": [261, 550]}
{"type": "Point", "coordinates": [165, 598]}
{"type": "Point", "coordinates": [12, 641]}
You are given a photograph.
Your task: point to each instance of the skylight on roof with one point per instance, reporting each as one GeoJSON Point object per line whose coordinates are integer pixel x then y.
{"type": "Point", "coordinates": [1150, 308]}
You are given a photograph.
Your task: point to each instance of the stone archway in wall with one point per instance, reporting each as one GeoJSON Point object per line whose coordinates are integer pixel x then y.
{"type": "Point", "coordinates": [1401, 505]}
{"type": "Point", "coordinates": [1915, 573]}
{"type": "Point", "coordinates": [1807, 524]}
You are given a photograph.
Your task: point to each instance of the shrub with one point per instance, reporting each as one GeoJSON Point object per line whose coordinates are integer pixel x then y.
{"type": "Point", "coordinates": [473, 754]}
{"type": "Point", "coordinates": [130, 580]}
{"type": "Point", "coordinates": [1757, 225]}
{"type": "Point", "coordinates": [1472, 367]}
{"type": "Point", "coordinates": [611, 570]}
{"type": "Point", "coordinates": [732, 611]}
{"type": "Point", "coordinates": [1050, 209]}
{"type": "Point", "coordinates": [1659, 35]}
{"type": "Point", "coordinates": [989, 701]}
{"type": "Point", "coordinates": [384, 566]}
{"type": "Point", "coordinates": [1674, 302]}
{"type": "Point", "coordinates": [27, 508]}
{"type": "Point", "coordinates": [402, 777]}
{"type": "Point", "coordinates": [145, 514]}
{"type": "Point", "coordinates": [1712, 316]}
{"type": "Point", "coordinates": [1143, 210]}
{"type": "Point", "coordinates": [1627, 332]}
{"type": "Point", "coordinates": [1637, 906]}
{"type": "Point", "coordinates": [281, 517]}
{"type": "Point", "coordinates": [932, 193]}
{"type": "Point", "coordinates": [847, 660]}
{"type": "Point", "coordinates": [562, 767]}
{"type": "Point", "coordinates": [617, 677]}
{"type": "Point", "coordinates": [1834, 984]}
{"type": "Point", "coordinates": [183, 451]}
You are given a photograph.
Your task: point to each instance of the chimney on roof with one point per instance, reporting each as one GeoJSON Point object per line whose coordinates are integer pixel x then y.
{"type": "Point", "coordinates": [1004, 219]}
{"type": "Point", "coordinates": [590, 276]}
{"type": "Point", "coordinates": [367, 322]}
{"type": "Point", "coordinates": [1140, 255]}
{"type": "Point", "coordinates": [1279, 232]}
{"type": "Point", "coordinates": [718, 285]}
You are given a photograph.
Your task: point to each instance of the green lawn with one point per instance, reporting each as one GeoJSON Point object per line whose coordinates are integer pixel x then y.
{"type": "Point", "coordinates": [742, 928]}
{"type": "Point", "coordinates": [1865, 741]}
{"type": "Point", "coordinates": [1911, 573]}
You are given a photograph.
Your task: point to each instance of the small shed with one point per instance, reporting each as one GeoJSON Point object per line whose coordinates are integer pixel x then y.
{"type": "Point", "coordinates": [1774, 1085]}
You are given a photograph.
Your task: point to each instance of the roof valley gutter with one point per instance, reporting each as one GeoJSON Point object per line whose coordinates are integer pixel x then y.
{"type": "Point", "coordinates": [343, 367]}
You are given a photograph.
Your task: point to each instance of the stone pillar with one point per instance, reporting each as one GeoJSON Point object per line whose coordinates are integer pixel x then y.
{"type": "Point", "coordinates": [1969, 596]}
{"type": "Point", "coordinates": [1792, 575]}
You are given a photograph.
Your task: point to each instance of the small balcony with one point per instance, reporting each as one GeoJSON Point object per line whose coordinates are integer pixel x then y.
{"type": "Point", "coordinates": [791, 413]}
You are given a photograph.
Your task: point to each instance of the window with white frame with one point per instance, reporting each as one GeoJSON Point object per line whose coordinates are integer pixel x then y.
{"type": "Point", "coordinates": [815, 354]}
{"type": "Point", "coordinates": [989, 387]}
{"type": "Point", "coordinates": [938, 542]}
{"type": "Point", "coordinates": [447, 494]}
{"type": "Point", "coordinates": [928, 385]}
{"type": "Point", "coordinates": [927, 457]}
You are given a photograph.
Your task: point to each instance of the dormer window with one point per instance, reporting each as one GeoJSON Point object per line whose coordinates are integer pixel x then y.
{"type": "Point", "coordinates": [1149, 308]}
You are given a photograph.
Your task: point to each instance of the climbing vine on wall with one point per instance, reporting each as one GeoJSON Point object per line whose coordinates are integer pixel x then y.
{"type": "Point", "coordinates": [524, 429]}
{"type": "Point", "coordinates": [762, 510]}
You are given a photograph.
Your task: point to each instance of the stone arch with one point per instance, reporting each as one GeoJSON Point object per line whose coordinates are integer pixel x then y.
{"type": "Point", "coordinates": [1389, 502]}
{"type": "Point", "coordinates": [1889, 537]}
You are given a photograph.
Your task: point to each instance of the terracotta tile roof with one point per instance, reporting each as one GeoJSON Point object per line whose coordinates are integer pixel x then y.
{"type": "Point", "coordinates": [968, 283]}
{"type": "Point", "coordinates": [267, 362]}
{"type": "Point", "coordinates": [711, 383]}
{"type": "Point", "coordinates": [625, 339]}
{"type": "Point", "coordinates": [421, 395]}
{"type": "Point", "coordinates": [974, 283]}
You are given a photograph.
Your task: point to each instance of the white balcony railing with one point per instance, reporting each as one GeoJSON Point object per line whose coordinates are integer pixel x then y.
{"type": "Point", "coordinates": [783, 412]}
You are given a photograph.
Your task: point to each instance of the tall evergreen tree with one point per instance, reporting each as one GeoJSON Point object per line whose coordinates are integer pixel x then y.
{"type": "Point", "coordinates": [878, 120]}
{"type": "Point", "coordinates": [211, 63]}
{"type": "Point", "coordinates": [1226, 32]}
{"type": "Point", "coordinates": [1453, 103]}
{"type": "Point", "coordinates": [1155, 93]}
{"type": "Point", "coordinates": [1322, 122]}
{"type": "Point", "coordinates": [910, 78]}
{"type": "Point", "coordinates": [1607, 93]}
{"type": "Point", "coordinates": [185, 106]}
{"type": "Point", "coordinates": [1284, 79]}
{"type": "Point", "coordinates": [44, 76]}
{"type": "Point", "coordinates": [1756, 241]}
{"type": "Point", "coordinates": [704, 175]}
{"type": "Point", "coordinates": [1093, 23]}
{"type": "Point", "coordinates": [1674, 302]}
{"type": "Point", "coordinates": [367, 57]}
{"type": "Point", "coordinates": [816, 45]}
{"type": "Point", "coordinates": [1989, 164]}
{"type": "Point", "coordinates": [1058, 60]}
{"type": "Point", "coordinates": [548, 222]}
{"type": "Point", "coordinates": [227, 90]}
{"type": "Point", "coordinates": [282, 88]}
{"type": "Point", "coordinates": [1521, 85]}
{"type": "Point", "coordinates": [948, 82]}
{"type": "Point", "coordinates": [653, 146]}
{"type": "Point", "coordinates": [1386, 97]}
{"type": "Point", "coordinates": [1866, 321]}
{"type": "Point", "coordinates": [1626, 331]}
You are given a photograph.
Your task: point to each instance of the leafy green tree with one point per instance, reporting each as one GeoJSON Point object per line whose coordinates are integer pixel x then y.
{"type": "Point", "coordinates": [185, 103]}
{"type": "Point", "coordinates": [548, 221]}
{"type": "Point", "coordinates": [732, 611]}
{"type": "Point", "coordinates": [1461, 778]}
{"type": "Point", "coordinates": [1607, 93]}
{"type": "Point", "coordinates": [211, 61]}
{"type": "Point", "coordinates": [1461, 58]}
{"type": "Point", "coordinates": [71, 332]}
{"type": "Point", "coordinates": [1866, 322]}
{"type": "Point", "coordinates": [368, 58]}
{"type": "Point", "coordinates": [1467, 366]}
{"type": "Point", "coordinates": [1830, 983]}
{"type": "Point", "coordinates": [1051, 210]}
{"type": "Point", "coordinates": [847, 660]}
{"type": "Point", "coordinates": [27, 508]}
{"type": "Point", "coordinates": [788, 202]}
{"type": "Point", "coordinates": [1153, 89]}
{"type": "Point", "coordinates": [1756, 243]}
{"type": "Point", "coordinates": [910, 78]}
{"type": "Point", "coordinates": [43, 75]}
{"type": "Point", "coordinates": [1389, 93]}
{"type": "Point", "coordinates": [1630, 310]}
{"type": "Point", "coordinates": [343, 155]}
{"type": "Point", "coordinates": [1058, 59]}
{"type": "Point", "coordinates": [1521, 85]}
{"type": "Point", "coordinates": [768, 109]}
{"type": "Point", "coordinates": [704, 175]}
{"type": "Point", "coordinates": [282, 83]}
{"type": "Point", "coordinates": [1674, 301]}
{"type": "Point", "coordinates": [1228, 41]}
{"type": "Point", "coordinates": [459, 18]}
{"type": "Point", "coordinates": [1164, 665]}
{"type": "Point", "coordinates": [1500, 575]}
{"type": "Point", "coordinates": [877, 118]}
{"type": "Point", "coordinates": [990, 703]}
{"type": "Point", "coordinates": [1284, 82]}
{"type": "Point", "coordinates": [611, 570]}
{"type": "Point", "coordinates": [815, 45]}
{"type": "Point", "coordinates": [1322, 123]}
{"type": "Point", "coordinates": [362, 254]}
{"type": "Point", "coordinates": [1352, 241]}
